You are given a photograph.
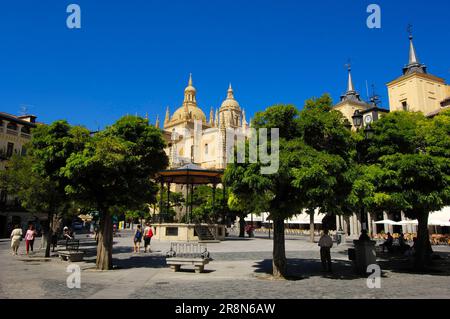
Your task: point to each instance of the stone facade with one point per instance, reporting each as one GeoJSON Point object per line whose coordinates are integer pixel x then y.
{"type": "Point", "coordinates": [192, 138]}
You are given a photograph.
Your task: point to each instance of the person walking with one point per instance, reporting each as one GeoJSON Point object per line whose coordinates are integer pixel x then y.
{"type": "Point", "coordinates": [325, 244]}
{"type": "Point", "coordinates": [148, 234]}
{"type": "Point", "coordinates": [29, 238]}
{"type": "Point", "coordinates": [137, 239]}
{"type": "Point", "coordinates": [16, 237]}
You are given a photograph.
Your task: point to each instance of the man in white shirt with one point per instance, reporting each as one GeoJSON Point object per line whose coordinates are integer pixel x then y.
{"type": "Point", "coordinates": [325, 244]}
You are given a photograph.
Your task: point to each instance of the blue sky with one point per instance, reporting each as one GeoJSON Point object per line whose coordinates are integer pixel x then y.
{"type": "Point", "coordinates": [136, 56]}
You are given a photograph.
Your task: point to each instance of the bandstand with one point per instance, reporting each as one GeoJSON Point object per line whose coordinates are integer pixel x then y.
{"type": "Point", "coordinates": [189, 175]}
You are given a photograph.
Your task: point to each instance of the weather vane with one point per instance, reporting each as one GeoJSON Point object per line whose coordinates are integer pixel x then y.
{"type": "Point", "coordinates": [375, 98]}
{"type": "Point", "coordinates": [24, 109]}
{"type": "Point", "coordinates": [410, 30]}
{"type": "Point", "coordinates": [348, 65]}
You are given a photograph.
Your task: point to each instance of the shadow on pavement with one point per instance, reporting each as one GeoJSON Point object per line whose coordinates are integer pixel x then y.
{"type": "Point", "coordinates": [440, 265]}
{"type": "Point", "coordinates": [136, 261]}
{"type": "Point", "coordinates": [298, 269]}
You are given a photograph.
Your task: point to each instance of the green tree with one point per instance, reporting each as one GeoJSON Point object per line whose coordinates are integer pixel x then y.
{"type": "Point", "coordinates": [208, 208]}
{"type": "Point", "coordinates": [324, 158]}
{"type": "Point", "coordinates": [116, 168]}
{"type": "Point", "coordinates": [412, 174]}
{"type": "Point", "coordinates": [176, 202]}
{"type": "Point", "coordinates": [36, 194]}
{"type": "Point", "coordinates": [279, 195]}
{"type": "Point", "coordinates": [37, 179]}
{"type": "Point", "coordinates": [242, 206]}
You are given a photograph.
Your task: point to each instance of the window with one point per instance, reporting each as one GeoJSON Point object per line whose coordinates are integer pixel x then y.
{"type": "Point", "coordinates": [24, 151]}
{"type": "Point", "coordinates": [171, 231]}
{"type": "Point", "coordinates": [206, 149]}
{"type": "Point", "coordinates": [12, 126]}
{"type": "Point", "coordinates": [10, 150]}
{"type": "Point", "coordinates": [25, 130]}
{"type": "Point", "coordinates": [405, 106]}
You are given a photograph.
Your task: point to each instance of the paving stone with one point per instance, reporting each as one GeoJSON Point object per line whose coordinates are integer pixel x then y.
{"type": "Point", "coordinates": [240, 269]}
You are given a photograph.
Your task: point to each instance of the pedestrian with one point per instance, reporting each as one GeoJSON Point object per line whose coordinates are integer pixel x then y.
{"type": "Point", "coordinates": [96, 233]}
{"type": "Point", "coordinates": [16, 237]}
{"type": "Point", "coordinates": [325, 244]}
{"type": "Point", "coordinates": [148, 234]}
{"type": "Point", "coordinates": [67, 233]}
{"type": "Point", "coordinates": [137, 239]}
{"type": "Point", "coordinates": [29, 238]}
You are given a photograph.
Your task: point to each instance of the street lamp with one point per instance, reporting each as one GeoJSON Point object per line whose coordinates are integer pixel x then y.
{"type": "Point", "coordinates": [368, 134]}
{"type": "Point", "coordinates": [357, 119]}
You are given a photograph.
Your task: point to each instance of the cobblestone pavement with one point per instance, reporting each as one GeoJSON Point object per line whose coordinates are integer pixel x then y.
{"type": "Point", "coordinates": [240, 269]}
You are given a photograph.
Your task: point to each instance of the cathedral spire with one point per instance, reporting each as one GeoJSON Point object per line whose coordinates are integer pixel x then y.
{"type": "Point", "coordinates": [414, 65]}
{"type": "Point", "coordinates": [167, 118]}
{"type": "Point", "coordinates": [230, 93]}
{"type": "Point", "coordinates": [157, 121]}
{"type": "Point", "coordinates": [244, 120]}
{"type": "Point", "coordinates": [211, 116]}
{"type": "Point", "coordinates": [350, 86]}
{"type": "Point", "coordinates": [351, 94]}
{"type": "Point", "coordinates": [216, 119]}
{"type": "Point", "coordinates": [189, 93]}
{"type": "Point", "coordinates": [412, 52]}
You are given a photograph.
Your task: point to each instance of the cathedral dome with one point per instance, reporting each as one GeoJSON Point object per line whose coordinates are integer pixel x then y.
{"type": "Point", "coordinates": [195, 113]}
{"type": "Point", "coordinates": [230, 102]}
{"type": "Point", "coordinates": [190, 88]}
{"type": "Point", "coordinates": [189, 110]}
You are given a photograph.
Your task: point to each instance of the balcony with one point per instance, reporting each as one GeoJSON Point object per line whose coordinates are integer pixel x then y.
{"type": "Point", "coordinates": [12, 132]}
{"type": "Point", "coordinates": [25, 135]}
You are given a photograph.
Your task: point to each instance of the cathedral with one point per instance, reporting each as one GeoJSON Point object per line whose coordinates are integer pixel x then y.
{"type": "Point", "coordinates": [192, 138]}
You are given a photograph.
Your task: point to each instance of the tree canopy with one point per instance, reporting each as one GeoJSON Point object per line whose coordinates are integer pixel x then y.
{"type": "Point", "coordinates": [116, 168]}
{"type": "Point", "coordinates": [410, 170]}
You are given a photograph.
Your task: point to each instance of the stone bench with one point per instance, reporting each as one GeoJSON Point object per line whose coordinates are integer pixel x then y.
{"type": "Point", "coordinates": [71, 253]}
{"type": "Point", "coordinates": [193, 254]}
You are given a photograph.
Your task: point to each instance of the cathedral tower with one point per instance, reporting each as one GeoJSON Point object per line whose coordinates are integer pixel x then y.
{"type": "Point", "coordinates": [417, 90]}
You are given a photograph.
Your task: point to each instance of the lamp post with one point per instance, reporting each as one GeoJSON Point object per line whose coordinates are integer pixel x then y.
{"type": "Point", "coordinates": [364, 247]}
{"type": "Point", "coordinates": [368, 134]}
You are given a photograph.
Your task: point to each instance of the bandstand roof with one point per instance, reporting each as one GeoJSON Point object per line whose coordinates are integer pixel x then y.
{"type": "Point", "coordinates": [191, 174]}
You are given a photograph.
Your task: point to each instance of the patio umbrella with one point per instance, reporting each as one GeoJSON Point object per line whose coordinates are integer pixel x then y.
{"type": "Point", "coordinates": [409, 222]}
{"type": "Point", "coordinates": [387, 221]}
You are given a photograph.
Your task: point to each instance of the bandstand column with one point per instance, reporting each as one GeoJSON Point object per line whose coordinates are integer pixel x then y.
{"type": "Point", "coordinates": [161, 200]}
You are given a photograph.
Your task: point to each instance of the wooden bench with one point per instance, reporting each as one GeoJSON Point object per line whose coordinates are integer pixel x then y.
{"type": "Point", "coordinates": [194, 254]}
{"type": "Point", "coordinates": [72, 253]}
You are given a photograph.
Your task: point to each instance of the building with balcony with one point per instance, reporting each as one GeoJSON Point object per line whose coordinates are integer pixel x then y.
{"type": "Point", "coordinates": [15, 133]}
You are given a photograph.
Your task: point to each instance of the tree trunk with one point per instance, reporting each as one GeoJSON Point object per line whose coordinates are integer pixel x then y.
{"type": "Point", "coordinates": [311, 225]}
{"type": "Point", "coordinates": [279, 254]}
{"type": "Point", "coordinates": [105, 242]}
{"type": "Point", "coordinates": [423, 247]}
{"type": "Point", "coordinates": [242, 226]}
{"type": "Point", "coordinates": [49, 235]}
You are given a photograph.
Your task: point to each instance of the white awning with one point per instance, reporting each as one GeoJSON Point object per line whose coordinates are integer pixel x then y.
{"type": "Point", "coordinates": [387, 222]}
{"type": "Point", "coordinates": [297, 219]}
{"type": "Point", "coordinates": [441, 218]}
